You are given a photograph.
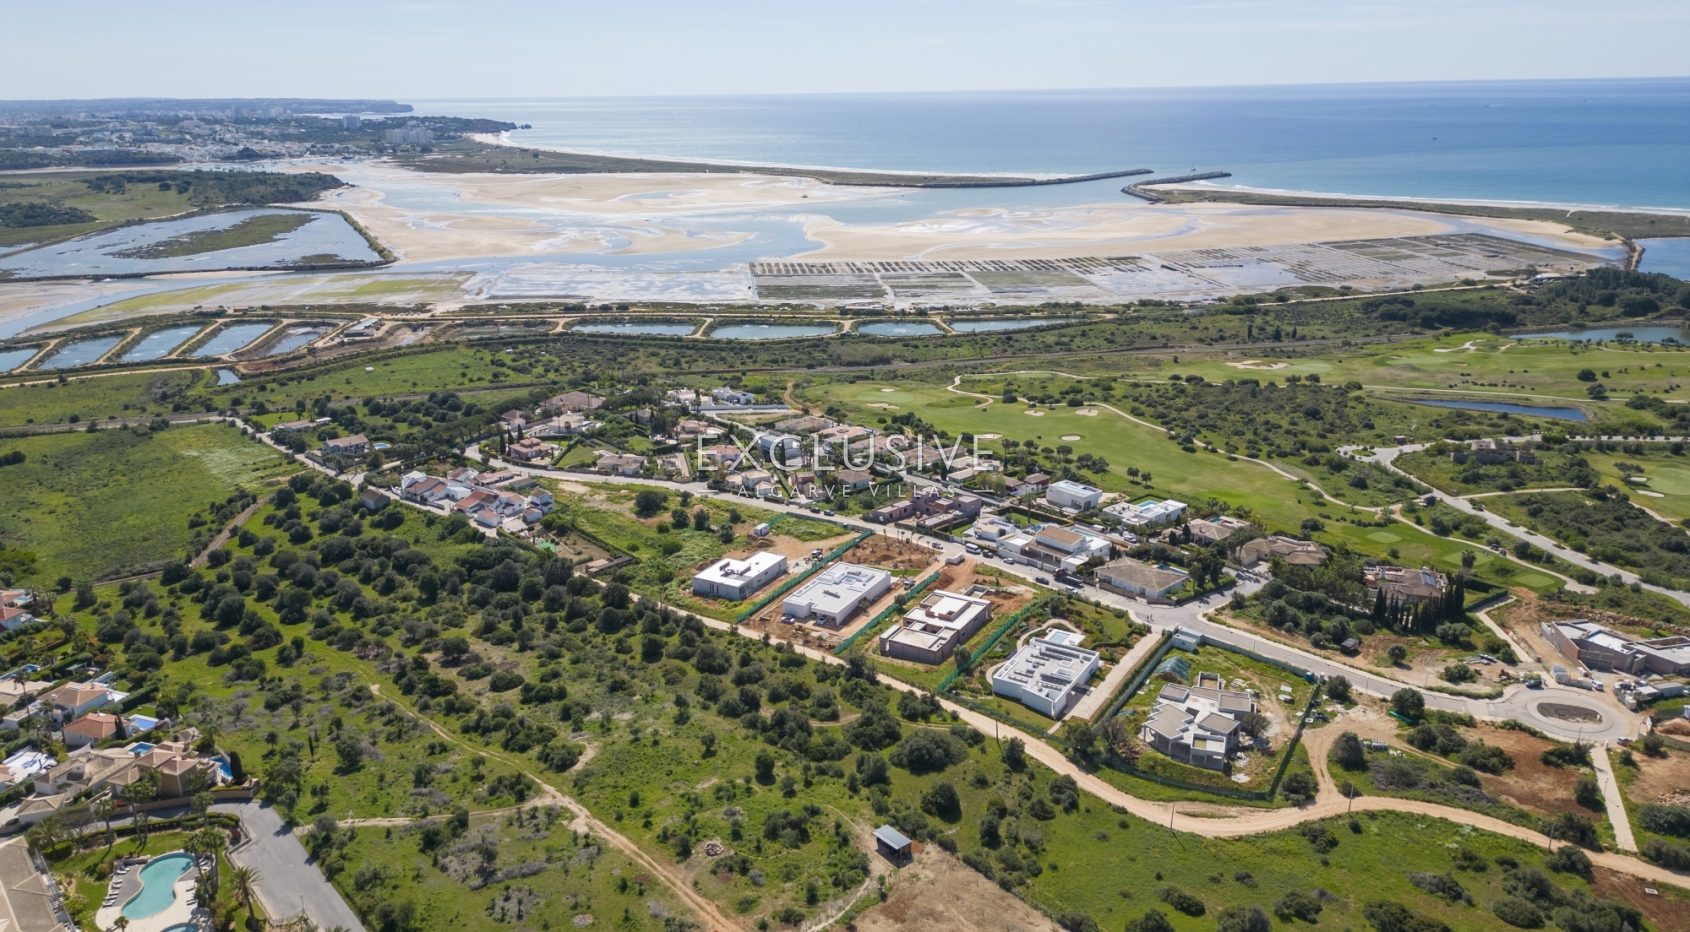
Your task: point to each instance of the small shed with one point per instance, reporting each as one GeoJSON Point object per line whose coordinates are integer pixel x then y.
{"type": "Point", "coordinates": [891, 843]}
{"type": "Point", "coordinates": [1350, 645]}
{"type": "Point", "coordinates": [761, 530]}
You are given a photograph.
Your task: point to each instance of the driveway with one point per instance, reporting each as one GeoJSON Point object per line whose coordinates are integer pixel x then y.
{"type": "Point", "coordinates": [289, 883]}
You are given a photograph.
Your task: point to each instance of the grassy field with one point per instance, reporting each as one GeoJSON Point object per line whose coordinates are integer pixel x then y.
{"type": "Point", "coordinates": [1414, 546]}
{"type": "Point", "coordinates": [89, 504]}
{"type": "Point", "coordinates": [135, 202]}
{"type": "Point", "coordinates": [125, 395]}
{"type": "Point", "coordinates": [253, 231]}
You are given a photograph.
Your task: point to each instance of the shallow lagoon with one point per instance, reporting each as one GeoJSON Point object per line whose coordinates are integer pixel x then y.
{"type": "Point", "coordinates": [81, 353]}
{"type": "Point", "coordinates": [633, 329]}
{"type": "Point", "coordinates": [326, 235]}
{"type": "Point", "coordinates": [888, 329]}
{"type": "Point", "coordinates": [988, 326]}
{"type": "Point", "coordinates": [11, 359]}
{"type": "Point", "coordinates": [158, 345]}
{"type": "Point", "coordinates": [769, 331]}
{"type": "Point", "coordinates": [293, 340]}
{"type": "Point", "coordinates": [232, 339]}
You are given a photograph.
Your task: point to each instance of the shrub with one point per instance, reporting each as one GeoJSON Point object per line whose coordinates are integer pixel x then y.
{"type": "Point", "coordinates": [1587, 794]}
{"type": "Point", "coordinates": [504, 681]}
{"type": "Point", "coordinates": [1566, 755]}
{"type": "Point", "coordinates": [1666, 854]}
{"type": "Point", "coordinates": [1518, 913]}
{"type": "Point", "coordinates": [942, 800]}
{"type": "Point", "coordinates": [1574, 827]}
{"type": "Point", "coordinates": [1180, 900]}
{"type": "Point", "coordinates": [1244, 919]}
{"type": "Point", "coordinates": [1299, 786]}
{"type": "Point", "coordinates": [1569, 860]}
{"type": "Point", "coordinates": [1459, 672]}
{"type": "Point", "coordinates": [1077, 922]}
{"type": "Point", "coordinates": [1388, 916]}
{"type": "Point", "coordinates": [1487, 758]}
{"type": "Point", "coordinates": [1348, 753]}
{"type": "Point", "coordinates": [1320, 836]}
{"type": "Point", "coordinates": [927, 750]}
{"type": "Point", "coordinates": [1153, 921]}
{"type": "Point", "coordinates": [1297, 905]}
{"type": "Point", "coordinates": [1665, 820]}
{"type": "Point", "coordinates": [1443, 885]}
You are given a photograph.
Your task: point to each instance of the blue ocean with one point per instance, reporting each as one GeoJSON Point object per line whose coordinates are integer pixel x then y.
{"type": "Point", "coordinates": [1620, 143]}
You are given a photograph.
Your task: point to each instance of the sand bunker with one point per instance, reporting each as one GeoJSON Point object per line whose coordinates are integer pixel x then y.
{"type": "Point", "coordinates": [988, 436]}
{"type": "Point", "coordinates": [1257, 364]}
{"type": "Point", "coordinates": [882, 404]}
{"type": "Point", "coordinates": [1034, 412]}
{"type": "Point", "coordinates": [1086, 412]}
{"type": "Point", "coordinates": [1070, 437]}
{"type": "Point", "coordinates": [1468, 346]}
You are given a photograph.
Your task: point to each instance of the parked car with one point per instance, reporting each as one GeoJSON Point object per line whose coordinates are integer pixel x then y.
{"type": "Point", "coordinates": [1042, 580]}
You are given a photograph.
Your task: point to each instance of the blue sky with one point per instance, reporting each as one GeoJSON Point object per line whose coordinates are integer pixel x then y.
{"type": "Point", "coordinates": [530, 48]}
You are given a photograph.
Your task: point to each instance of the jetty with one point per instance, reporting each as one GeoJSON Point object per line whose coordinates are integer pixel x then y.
{"type": "Point", "coordinates": [1138, 190]}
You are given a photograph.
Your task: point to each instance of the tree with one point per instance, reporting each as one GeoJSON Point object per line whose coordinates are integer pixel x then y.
{"type": "Point", "coordinates": [1408, 703]}
{"type": "Point", "coordinates": [765, 764]}
{"type": "Point", "coordinates": [648, 502]}
{"type": "Point", "coordinates": [1338, 687]}
{"type": "Point", "coordinates": [350, 748]}
{"type": "Point", "coordinates": [1153, 921]}
{"type": "Point", "coordinates": [1588, 794]}
{"type": "Point", "coordinates": [1398, 653]}
{"type": "Point", "coordinates": [243, 882]}
{"type": "Point", "coordinates": [103, 810]}
{"type": "Point", "coordinates": [1015, 754]}
{"type": "Point", "coordinates": [1348, 753]}
{"type": "Point", "coordinates": [1081, 737]}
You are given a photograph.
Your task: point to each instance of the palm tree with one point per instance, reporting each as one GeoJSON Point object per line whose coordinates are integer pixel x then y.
{"type": "Point", "coordinates": [242, 881]}
{"type": "Point", "coordinates": [121, 923]}
{"type": "Point", "coordinates": [104, 808]}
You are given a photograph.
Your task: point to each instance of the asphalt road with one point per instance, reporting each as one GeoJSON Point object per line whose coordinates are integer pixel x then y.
{"type": "Point", "coordinates": [289, 882]}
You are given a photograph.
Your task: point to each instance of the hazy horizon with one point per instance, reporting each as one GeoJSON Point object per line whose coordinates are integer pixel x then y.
{"type": "Point", "coordinates": [527, 49]}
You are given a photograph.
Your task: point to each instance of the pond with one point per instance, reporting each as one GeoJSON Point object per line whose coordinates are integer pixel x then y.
{"type": "Point", "coordinates": [158, 344]}
{"type": "Point", "coordinates": [770, 331]}
{"type": "Point", "coordinates": [293, 340]}
{"type": "Point", "coordinates": [227, 377]}
{"type": "Point", "coordinates": [13, 358]}
{"type": "Point", "coordinates": [888, 329]}
{"type": "Point", "coordinates": [988, 326]}
{"type": "Point", "coordinates": [1610, 334]}
{"type": "Point", "coordinates": [81, 353]}
{"type": "Point", "coordinates": [232, 339]}
{"type": "Point", "coordinates": [192, 244]}
{"type": "Point", "coordinates": [1560, 414]}
{"type": "Point", "coordinates": [633, 329]}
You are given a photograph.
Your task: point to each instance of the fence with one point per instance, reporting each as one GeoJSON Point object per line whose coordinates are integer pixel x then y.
{"type": "Point", "coordinates": [886, 613]}
{"type": "Point", "coordinates": [790, 584]}
{"type": "Point", "coordinates": [985, 648]}
{"type": "Point", "coordinates": [1149, 668]}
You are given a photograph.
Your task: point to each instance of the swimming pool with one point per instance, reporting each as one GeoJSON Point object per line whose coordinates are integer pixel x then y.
{"type": "Point", "coordinates": [158, 885]}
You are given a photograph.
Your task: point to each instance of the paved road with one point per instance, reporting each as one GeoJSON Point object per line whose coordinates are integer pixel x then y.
{"type": "Point", "coordinates": [289, 882]}
{"type": "Point", "coordinates": [1386, 457]}
{"type": "Point", "coordinates": [1613, 797]}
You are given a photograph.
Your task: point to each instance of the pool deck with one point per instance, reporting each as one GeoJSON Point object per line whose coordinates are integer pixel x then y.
{"type": "Point", "coordinates": [181, 910]}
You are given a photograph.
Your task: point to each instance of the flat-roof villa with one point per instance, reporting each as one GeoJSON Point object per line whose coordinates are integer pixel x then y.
{"type": "Point", "coordinates": [837, 593]}
{"type": "Point", "coordinates": [1047, 673]}
{"type": "Point", "coordinates": [1147, 514]}
{"type": "Point", "coordinates": [1197, 725]}
{"type": "Point", "coordinates": [1065, 493]}
{"type": "Point", "coordinates": [1057, 548]}
{"type": "Point", "coordinates": [737, 579]}
{"type": "Point", "coordinates": [933, 630]}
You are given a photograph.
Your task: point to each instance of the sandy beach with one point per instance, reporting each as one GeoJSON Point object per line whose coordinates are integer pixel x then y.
{"type": "Point", "coordinates": [622, 214]}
